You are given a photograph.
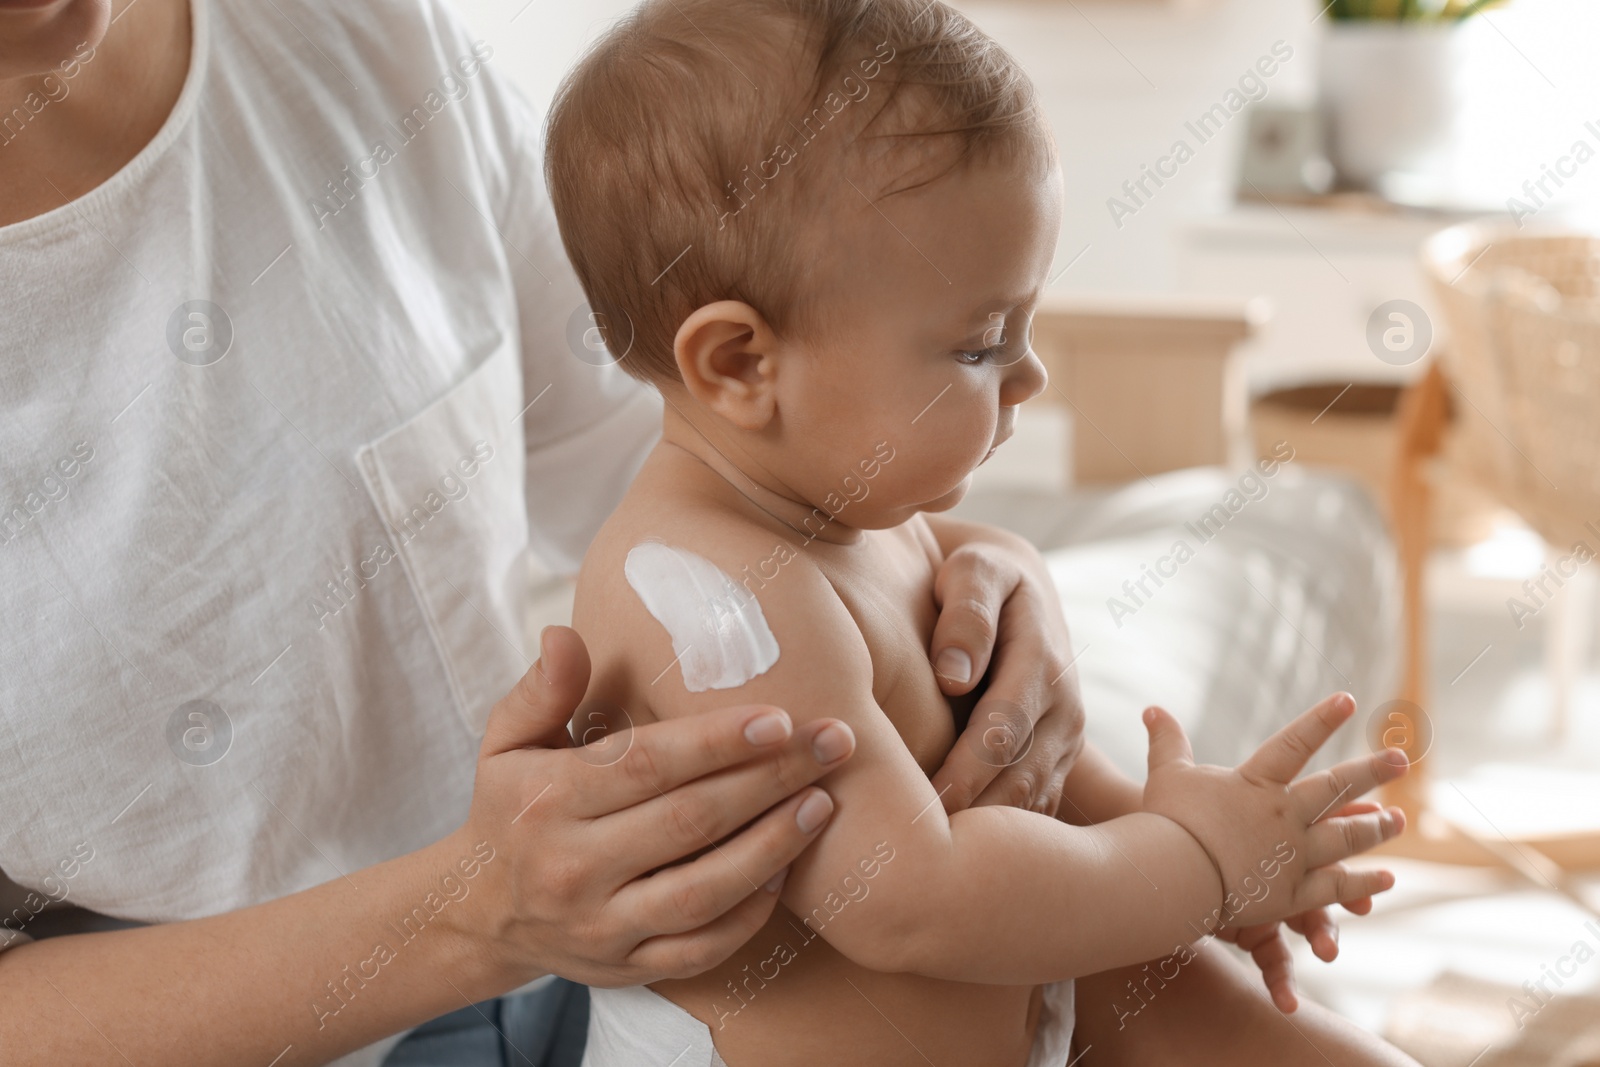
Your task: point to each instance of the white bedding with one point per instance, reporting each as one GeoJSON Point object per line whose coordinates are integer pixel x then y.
{"type": "Point", "coordinates": [1295, 597]}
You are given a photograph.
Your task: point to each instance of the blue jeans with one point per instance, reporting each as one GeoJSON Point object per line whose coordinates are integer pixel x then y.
{"type": "Point", "coordinates": [544, 1028]}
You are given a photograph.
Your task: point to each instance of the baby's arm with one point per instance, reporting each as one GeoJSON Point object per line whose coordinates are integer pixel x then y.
{"type": "Point", "coordinates": [990, 894]}
{"type": "Point", "coordinates": [1095, 791]}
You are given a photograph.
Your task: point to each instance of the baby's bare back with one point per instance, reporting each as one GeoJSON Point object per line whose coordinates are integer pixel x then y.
{"type": "Point", "coordinates": [787, 998]}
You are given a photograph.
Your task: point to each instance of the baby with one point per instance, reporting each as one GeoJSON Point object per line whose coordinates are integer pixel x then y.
{"type": "Point", "coordinates": [819, 228]}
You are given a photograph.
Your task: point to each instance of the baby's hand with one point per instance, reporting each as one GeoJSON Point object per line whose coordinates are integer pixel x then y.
{"type": "Point", "coordinates": [1269, 947]}
{"type": "Point", "coordinates": [1271, 838]}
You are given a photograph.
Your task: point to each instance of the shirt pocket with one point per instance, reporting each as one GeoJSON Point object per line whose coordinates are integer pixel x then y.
{"type": "Point", "coordinates": [449, 484]}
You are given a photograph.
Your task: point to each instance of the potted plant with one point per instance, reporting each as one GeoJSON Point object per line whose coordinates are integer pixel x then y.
{"type": "Point", "coordinates": [1388, 82]}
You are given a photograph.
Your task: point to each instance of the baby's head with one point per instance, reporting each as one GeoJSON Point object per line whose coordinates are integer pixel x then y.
{"type": "Point", "coordinates": [819, 227]}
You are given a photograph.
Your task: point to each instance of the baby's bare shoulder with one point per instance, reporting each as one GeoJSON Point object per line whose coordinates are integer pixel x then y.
{"type": "Point", "coordinates": [737, 544]}
{"type": "Point", "coordinates": [690, 599]}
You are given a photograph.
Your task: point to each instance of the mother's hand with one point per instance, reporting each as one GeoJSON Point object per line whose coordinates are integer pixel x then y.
{"type": "Point", "coordinates": [997, 602]}
{"type": "Point", "coordinates": [590, 886]}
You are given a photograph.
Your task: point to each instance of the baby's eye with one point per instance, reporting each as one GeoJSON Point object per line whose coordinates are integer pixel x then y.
{"type": "Point", "coordinates": [972, 359]}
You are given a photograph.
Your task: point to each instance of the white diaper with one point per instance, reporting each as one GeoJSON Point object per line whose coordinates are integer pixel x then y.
{"type": "Point", "coordinates": [638, 1027]}
{"type": "Point", "coordinates": [1052, 1041]}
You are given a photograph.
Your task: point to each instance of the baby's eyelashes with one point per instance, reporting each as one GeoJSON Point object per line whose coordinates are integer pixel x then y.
{"type": "Point", "coordinates": [976, 357]}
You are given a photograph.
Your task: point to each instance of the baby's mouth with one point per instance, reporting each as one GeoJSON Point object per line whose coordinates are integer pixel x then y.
{"type": "Point", "coordinates": [993, 449]}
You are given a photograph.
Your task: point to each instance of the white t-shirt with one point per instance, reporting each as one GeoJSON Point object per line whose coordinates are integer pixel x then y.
{"type": "Point", "coordinates": [292, 434]}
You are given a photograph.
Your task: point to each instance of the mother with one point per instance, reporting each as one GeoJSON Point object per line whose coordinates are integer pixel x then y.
{"type": "Point", "coordinates": [298, 422]}
{"type": "Point", "coordinates": [293, 435]}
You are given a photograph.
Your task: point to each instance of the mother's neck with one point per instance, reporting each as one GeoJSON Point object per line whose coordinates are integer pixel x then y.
{"type": "Point", "coordinates": [61, 136]}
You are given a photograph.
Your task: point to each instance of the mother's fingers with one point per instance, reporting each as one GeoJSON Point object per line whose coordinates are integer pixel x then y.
{"type": "Point", "coordinates": [1316, 795]}
{"type": "Point", "coordinates": [687, 954]}
{"type": "Point", "coordinates": [972, 588]}
{"type": "Point", "coordinates": [639, 763]}
{"type": "Point", "coordinates": [688, 896]}
{"type": "Point", "coordinates": [1286, 752]}
{"type": "Point", "coordinates": [672, 825]}
{"type": "Point", "coordinates": [998, 747]}
{"type": "Point", "coordinates": [535, 713]}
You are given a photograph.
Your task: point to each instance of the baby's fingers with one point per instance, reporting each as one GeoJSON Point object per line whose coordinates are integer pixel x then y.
{"type": "Point", "coordinates": [1283, 754]}
{"type": "Point", "coordinates": [1268, 947]}
{"type": "Point", "coordinates": [1357, 907]}
{"type": "Point", "coordinates": [1319, 930]}
{"type": "Point", "coordinates": [1332, 840]}
{"type": "Point", "coordinates": [1316, 795]}
{"type": "Point", "coordinates": [1168, 742]}
{"type": "Point", "coordinates": [1336, 882]}
{"type": "Point", "coordinates": [1357, 807]}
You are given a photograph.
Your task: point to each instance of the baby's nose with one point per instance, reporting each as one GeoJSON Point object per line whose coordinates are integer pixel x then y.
{"type": "Point", "coordinates": [1025, 379]}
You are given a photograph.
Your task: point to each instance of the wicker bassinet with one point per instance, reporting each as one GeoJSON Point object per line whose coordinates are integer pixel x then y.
{"type": "Point", "coordinates": [1523, 311]}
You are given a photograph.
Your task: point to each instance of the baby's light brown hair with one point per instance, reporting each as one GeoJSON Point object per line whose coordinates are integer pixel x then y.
{"type": "Point", "coordinates": [694, 146]}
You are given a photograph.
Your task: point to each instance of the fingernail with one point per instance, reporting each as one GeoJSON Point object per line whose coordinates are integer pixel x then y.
{"type": "Point", "coordinates": [767, 729]}
{"type": "Point", "coordinates": [775, 883]}
{"type": "Point", "coordinates": [955, 665]}
{"type": "Point", "coordinates": [833, 743]}
{"type": "Point", "coordinates": [538, 664]}
{"type": "Point", "coordinates": [1395, 758]}
{"type": "Point", "coordinates": [813, 812]}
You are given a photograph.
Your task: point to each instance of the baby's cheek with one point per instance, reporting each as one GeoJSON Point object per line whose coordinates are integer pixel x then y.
{"type": "Point", "coordinates": [938, 470]}
{"type": "Point", "coordinates": [970, 433]}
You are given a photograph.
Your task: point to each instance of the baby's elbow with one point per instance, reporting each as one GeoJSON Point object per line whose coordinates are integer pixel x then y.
{"type": "Point", "coordinates": [889, 940]}
{"type": "Point", "coordinates": [875, 950]}
{"type": "Point", "coordinates": [919, 950]}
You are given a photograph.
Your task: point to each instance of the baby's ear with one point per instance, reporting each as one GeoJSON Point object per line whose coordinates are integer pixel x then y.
{"type": "Point", "coordinates": [727, 357]}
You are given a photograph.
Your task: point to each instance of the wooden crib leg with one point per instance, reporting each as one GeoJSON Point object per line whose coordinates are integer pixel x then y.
{"type": "Point", "coordinates": [1422, 416]}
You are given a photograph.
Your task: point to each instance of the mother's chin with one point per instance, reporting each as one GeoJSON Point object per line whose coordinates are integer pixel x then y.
{"type": "Point", "coordinates": [38, 36]}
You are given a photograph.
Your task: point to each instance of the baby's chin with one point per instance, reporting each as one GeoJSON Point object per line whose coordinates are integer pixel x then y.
{"type": "Point", "coordinates": [888, 515]}
{"type": "Point", "coordinates": [885, 518]}
{"type": "Point", "coordinates": [949, 499]}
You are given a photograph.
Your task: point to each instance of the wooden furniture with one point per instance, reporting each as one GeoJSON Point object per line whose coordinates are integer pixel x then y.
{"type": "Point", "coordinates": [1524, 312]}
{"type": "Point", "coordinates": [1152, 384]}
{"type": "Point", "coordinates": [1522, 376]}
{"type": "Point", "coordinates": [1324, 266]}
{"type": "Point", "coordinates": [1423, 416]}
{"type": "Point", "coordinates": [1344, 424]}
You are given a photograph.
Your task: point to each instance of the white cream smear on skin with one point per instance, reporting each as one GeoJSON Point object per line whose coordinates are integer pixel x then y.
{"type": "Point", "coordinates": [718, 631]}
